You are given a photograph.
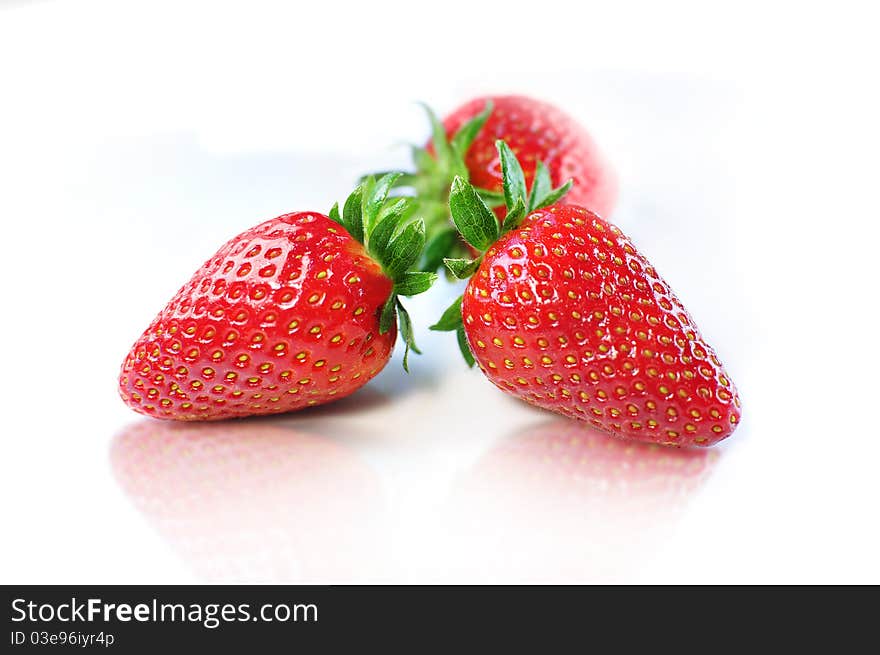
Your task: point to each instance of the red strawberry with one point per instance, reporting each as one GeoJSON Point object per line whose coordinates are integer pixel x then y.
{"type": "Point", "coordinates": [294, 312]}
{"type": "Point", "coordinates": [463, 144]}
{"type": "Point", "coordinates": [535, 131]}
{"type": "Point", "coordinates": [564, 312]}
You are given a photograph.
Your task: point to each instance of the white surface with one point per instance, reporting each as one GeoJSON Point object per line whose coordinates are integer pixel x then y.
{"type": "Point", "coordinates": [136, 138]}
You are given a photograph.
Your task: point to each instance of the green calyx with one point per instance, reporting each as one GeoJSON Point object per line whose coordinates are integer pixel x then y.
{"type": "Point", "coordinates": [430, 185]}
{"type": "Point", "coordinates": [395, 238]}
{"type": "Point", "coordinates": [479, 227]}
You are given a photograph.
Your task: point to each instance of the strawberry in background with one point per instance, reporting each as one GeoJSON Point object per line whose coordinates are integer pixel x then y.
{"type": "Point", "coordinates": [298, 311]}
{"type": "Point", "coordinates": [463, 144]}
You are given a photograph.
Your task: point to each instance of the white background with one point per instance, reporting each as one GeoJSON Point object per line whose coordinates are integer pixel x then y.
{"type": "Point", "coordinates": [135, 138]}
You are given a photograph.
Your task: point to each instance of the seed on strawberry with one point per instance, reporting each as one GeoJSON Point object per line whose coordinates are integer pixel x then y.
{"type": "Point", "coordinates": [297, 311]}
{"type": "Point", "coordinates": [565, 313]}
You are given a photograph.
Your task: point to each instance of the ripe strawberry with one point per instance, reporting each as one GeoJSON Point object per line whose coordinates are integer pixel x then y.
{"type": "Point", "coordinates": [564, 312]}
{"type": "Point", "coordinates": [297, 311]}
{"type": "Point", "coordinates": [463, 144]}
{"type": "Point", "coordinates": [536, 132]}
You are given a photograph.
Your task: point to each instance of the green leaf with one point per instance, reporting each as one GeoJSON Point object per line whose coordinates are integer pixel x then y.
{"type": "Point", "coordinates": [334, 214]}
{"type": "Point", "coordinates": [380, 237]}
{"type": "Point", "coordinates": [352, 218]}
{"type": "Point", "coordinates": [513, 178]}
{"type": "Point", "coordinates": [439, 246]}
{"type": "Point", "coordinates": [406, 332]}
{"type": "Point", "coordinates": [491, 198]}
{"type": "Point", "coordinates": [374, 200]}
{"type": "Point", "coordinates": [400, 209]}
{"type": "Point", "coordinates": [442, 149]}
{"type": "Point", "coordinates": [515, 215]}
{"type": "Point", "coordinates": [424, 162]}
{"type": "Point", "coordinates": [403, 179]}
{"type": "Point", "coordinates": [405, 249]}
{"type": "Point", "coordinates": [462, 268]}
{"type": "Point", "coordinates": [554, 196]}
{"type": "Point", "coordinates": [476, 222]}
{"type": "Point", "coordinates": [466, 134]}
{"type": "Point", "coordinates": [412, 283]}
{"type": "Point", "coordinates": [464, 347]}
{"type": "Point", "coordinates": [541, 185]}
{"type": "Point", "coordinates": [451, 318]}
{"type": "Point", "coordinates": [388, 315]}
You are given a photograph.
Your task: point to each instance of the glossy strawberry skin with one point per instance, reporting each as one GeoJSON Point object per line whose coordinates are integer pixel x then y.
{"type": "Point", "coordinates": [284, 316]}
{"type": "Point", "coordinates": [566, 314]}
{"type": "Point", "coordinates": [535, 131]}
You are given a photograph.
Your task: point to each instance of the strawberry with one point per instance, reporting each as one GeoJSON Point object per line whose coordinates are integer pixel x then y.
{"type": "Point", "coordinates": [463, 144]}
{"type": "Point", "coordinates": [536, 132]}
{"type": "Point", "coordinates": [297, 311]}
{"type": "Point", "coordinates": [565, 313]}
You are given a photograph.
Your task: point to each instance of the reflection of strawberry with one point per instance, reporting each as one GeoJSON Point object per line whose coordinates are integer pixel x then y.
{"type": "Point", "coordinates": [297, 311]}
{"type": "Point", "coordinates": [565, 313]}
{"type": "Point", "coordinates": [564, 457]}
{"type": "Point", "coordinates": [565, 503]}
{"type": "Point", "coordinates": [252, 502]}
